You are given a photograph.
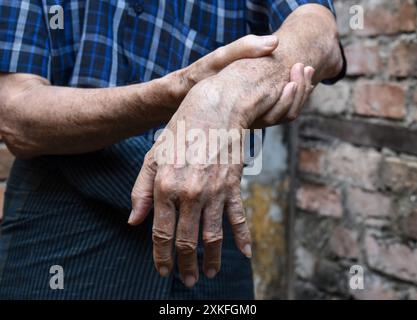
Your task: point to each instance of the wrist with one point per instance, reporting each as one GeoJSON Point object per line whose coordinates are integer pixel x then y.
{"type": "Point", "coordinates": [254, 85]}
{"type": "Point", "coordinates": [234, 96]}
{"type": "Point", "coordinates": [213, 101]}
{"type": "Point", "coordinates": [172, 89]}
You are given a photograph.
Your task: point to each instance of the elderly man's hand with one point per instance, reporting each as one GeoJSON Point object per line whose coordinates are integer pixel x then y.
{"type": "Point", "coordinates": [201, 186]}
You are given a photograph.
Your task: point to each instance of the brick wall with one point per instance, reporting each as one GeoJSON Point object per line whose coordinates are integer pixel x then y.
{"type": "Point", "coordinates": [357, 179]}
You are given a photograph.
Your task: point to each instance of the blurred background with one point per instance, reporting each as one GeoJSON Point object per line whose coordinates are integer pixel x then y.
{"type": "Point", "coordinates": [338, 189]}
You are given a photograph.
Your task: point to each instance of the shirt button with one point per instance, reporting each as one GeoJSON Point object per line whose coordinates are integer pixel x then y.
{"type": "Point", "coordinates": [138, 8]}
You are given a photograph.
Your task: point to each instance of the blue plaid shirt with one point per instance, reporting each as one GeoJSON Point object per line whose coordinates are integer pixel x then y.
{"type": "Point", "coordinates": [111, 43]}
{"type": "Point", "coordinates": [72, 210]}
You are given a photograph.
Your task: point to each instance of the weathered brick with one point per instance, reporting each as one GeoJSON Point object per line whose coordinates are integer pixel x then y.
{"type": "Point", "coordinates": [399, 174]}
{"type": "Point", "coordinates": [6, 161]}
{"type": "Point", "coordinates": [360, 133]}
{"type": "Point", "coordinates": [311, 160]}
{"type": "Point", "coordinates": [388, 17]}
{"type": "Point", "coordinates": [343, 147]}
{"type": "Point", "coordinates": [368, 204]}
{"type": "Point", "coordinates": [344, 243]}
{"type": "Point", "coordinates": [385, 100]}
{"type": "Point", "coordinates": [403, 60]}
{"type": "Point", "coordinates": [396, 260]}
{"type": "Point", "coordinates": [321, 199]}
{"type": "Point", "coordinates": [363, 59]}
{"type": "Point", "coordinates": [357, 166]}
{"type": "Point", "coordinates": [330, 277]}
{"type": "Point", "coordinates": [329, 100]}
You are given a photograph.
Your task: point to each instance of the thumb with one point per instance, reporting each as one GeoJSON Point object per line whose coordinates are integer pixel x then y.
{"type": "Point", "coordinates": [142, 193]}
{"type": "Point", "coordinates": [250, 46]}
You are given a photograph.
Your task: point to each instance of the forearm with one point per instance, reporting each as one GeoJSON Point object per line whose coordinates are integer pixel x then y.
{"type": "Point", "coordinates": [309, 35]}
{"type": "Point", "coordinates": [43, 119]}
{"type": "Point", "coordinates": [37, 118]}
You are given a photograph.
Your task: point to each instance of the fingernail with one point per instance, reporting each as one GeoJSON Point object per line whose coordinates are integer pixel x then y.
{"type": "Point", "coordinates": [131, 217]}
{"type": "Point", "coordinates": [270, 41]}
{"type": "Point", "coordinates": [163, 271]}
{"type": "Point", "coordinates": [189, 281]}
{"type": "Point", "coordinates": [211, 273]}
{"type": "Point", "coordinates": [247, 251]}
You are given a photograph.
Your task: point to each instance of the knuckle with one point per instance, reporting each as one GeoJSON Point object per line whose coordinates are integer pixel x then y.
{"type": "Point", "coordinates": [163, 260]}
{"type": "Point", "coordinates": [238, 219]}
{"type": "Point", "coordinates": [134, 195]}
{"type": "Point", "coordinates": [243, 235]}
{"type": "Point", "coordinates": [215, 188]}
{"type": "Point", "coordinates": [164, 186]}
{"type": "Point", "coordinates": [161, 236]}
{"type": "Point", "coordinates": [141, 196]}
{"type": "Point", "coordinates": [210, 238]}
{"type": "Point", "coordinates": [148, 157]}
{"type": "Point", "coordinates": [186, 247]}
{"type": "Point", "coordinates": [219, 55]}
{"type": "Point", "coordinates": [192, 192]}
{"type": "Point", "coordinates": [149, 161]}
{"type": "Point", "coordinates": [248, 40]}
{"type": "Point", "coordinates": [137, 195]}
{"type": "Point", "coordinates": [193, 75]}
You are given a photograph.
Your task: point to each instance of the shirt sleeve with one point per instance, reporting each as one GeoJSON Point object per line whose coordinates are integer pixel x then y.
{"type": "Point", "coordinates": [24, 38]}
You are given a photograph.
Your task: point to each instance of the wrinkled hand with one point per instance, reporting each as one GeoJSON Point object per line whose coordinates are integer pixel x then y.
{"type": "Point", "coordinates": [237, 98]}
{"type": "Point", "coordinates": [195, 189]}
